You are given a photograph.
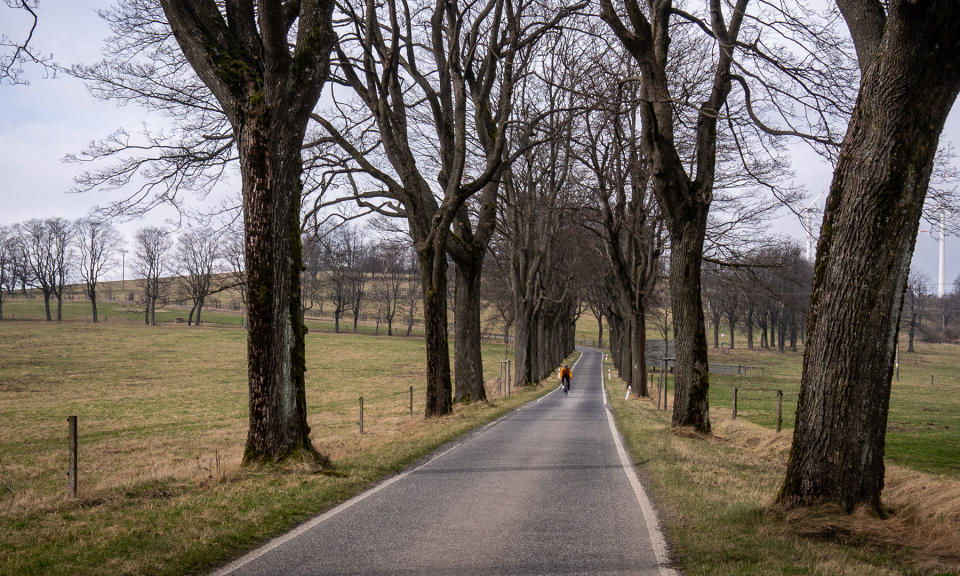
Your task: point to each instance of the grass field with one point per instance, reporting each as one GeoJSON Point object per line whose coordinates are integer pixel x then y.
{"type": "Point", "coordinates": [717, 494]}
{"type": "Point", "coordinates": [162, 419]}
{"type": "Point", "coordinates": [162, 414]}
{"type": "Point", "coordinates": [923, 429]}
{"type": "Point", "coordinates": [109, 311]}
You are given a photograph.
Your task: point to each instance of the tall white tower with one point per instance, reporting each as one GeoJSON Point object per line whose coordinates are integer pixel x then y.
{"type": "Point", "coordinates": [941, 284]}
{"type": "Point", "coordinates": [808, 221]}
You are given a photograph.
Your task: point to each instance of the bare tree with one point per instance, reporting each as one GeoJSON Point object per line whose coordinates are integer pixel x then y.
{"type": "Point", "coordinates": [233, 250]}
{"type": "Point", "coordinates": [447, 72]}
{"type": "Point", "coordinates": [394, 264]}
{"type": "Point", "coordinates": [312, 281]}
{"type": "Point", "coordinates": [7, 275]}
{"type": "Point", "coordinates": [151, 247]}
{"type": "Point", "coordinates": [339, 251]}
{"type": "Point", "coordinates": [97, 241]}
{"type": "Point", "coordinates": [684, 199]}
{"type": "Point", "coordinates": [907, 53]}
{"type": "Point", "coordinates": [15, 52]}
{"type": "Point", "coordinates": [918, 286]}
{"type": "Point", "coordinates": [198, 258]}
{"type": "Point", "coordinates": [413, 290]}
{"type": "Point", "coordinates": [358, 263]}
{"type": "Point", "coordinates": [499, 302]}
{"type": "Point", "coordinates": [661, 312]}
{"type": "Point", "coordinates": [44, 244]}
{"type": "Point", "coordinates": [266, 64]}
{"type": "Point", "coordinates": [627, 217]}
{"type": "Point", "coordinates": [61, 243]}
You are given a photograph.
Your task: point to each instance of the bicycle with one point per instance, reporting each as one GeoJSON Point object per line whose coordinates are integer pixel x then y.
{"type": "Point", "coordinates": [565, 383]}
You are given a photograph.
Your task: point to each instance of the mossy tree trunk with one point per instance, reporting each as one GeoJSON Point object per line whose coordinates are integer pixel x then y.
{"type": "Point", "coordinates": [911, 75]}
{"type": "Point", "coordinates": [433, 273]}
{"type": "Point", "coordinates": [267, 90]}
{"type": "Point", "coordinates": [691, 373]}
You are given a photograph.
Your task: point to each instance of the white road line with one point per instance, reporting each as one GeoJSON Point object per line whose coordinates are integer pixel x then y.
{"type": "Point", "coordinates": [657, 541]}
{"type": "Point", "coordinates": [310, 524]}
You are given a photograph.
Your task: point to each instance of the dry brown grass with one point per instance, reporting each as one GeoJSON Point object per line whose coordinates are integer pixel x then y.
{"type": "Point", "coordinates": [923, 510]}
{"type": "Point", "coordinates": [163, 422]}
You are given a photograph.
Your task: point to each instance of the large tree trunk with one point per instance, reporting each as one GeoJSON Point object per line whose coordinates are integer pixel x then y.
{"type": "Point", "coordinates": [46, 305]}
{"type": "Point", "coordinates": [267, 89]}
{"type": "Point", "coordinates": [691, 407]}
{"type": "Point", "coordinates": [600, 331]}
{"type": "Point", "coordinates": [638, 351]}
{"type": "Point", "coordinates": [433, 273]}
{"type": "Point", "coordinates": [522, 346]}
{"type": "Point", "coordinates": [733, 324]}
{"type": "Point", "coordinates": [93, 303]}
{"type": "Point", "coordinates": [468, 363]}
{"type": "Point", "coordinates": [626, 349]}
{"type": "Point", "coordinates": [715, 320]}
{"type": "Point", "coordinates": [271, 166]}
{"type": "Point", "coordinates": [863, 256]}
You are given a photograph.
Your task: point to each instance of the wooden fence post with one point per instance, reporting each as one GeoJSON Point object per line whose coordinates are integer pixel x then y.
{"type": "Point", "coordinates": [361, 414]}
{"type": "Point", "coordinates": [72, 471]}
{"type": "Point", "coordinates": [411, 400]}
{"type": "Point", "coordinates": [735, 390]}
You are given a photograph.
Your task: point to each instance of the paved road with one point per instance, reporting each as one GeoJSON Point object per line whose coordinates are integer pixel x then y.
{"type": "Point", "coordinates": [541, 491]}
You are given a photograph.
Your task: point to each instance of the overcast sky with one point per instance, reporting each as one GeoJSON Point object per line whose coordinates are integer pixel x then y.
{"type": "Point", "coordinates": [50, 118]}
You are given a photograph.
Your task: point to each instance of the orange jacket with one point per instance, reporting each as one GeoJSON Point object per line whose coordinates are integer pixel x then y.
{"type": "Point", "coordinates": [566, 372]}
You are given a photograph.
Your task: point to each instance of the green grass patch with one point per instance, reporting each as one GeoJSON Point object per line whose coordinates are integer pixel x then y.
{"type": "Point", "coordinates": [162, 423]}
{"type": "Point", "coordinates": [923, 429]}
{"type": "Point", "coordinates": [716, 495]}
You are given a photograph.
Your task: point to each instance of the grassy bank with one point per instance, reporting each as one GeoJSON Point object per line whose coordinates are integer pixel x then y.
{"type": "Point", "coordinates": [923, 430]}
{"type": "Point", "coordinates": [717, 494]}
{"type": "Point", "coordinates": [163, 419]}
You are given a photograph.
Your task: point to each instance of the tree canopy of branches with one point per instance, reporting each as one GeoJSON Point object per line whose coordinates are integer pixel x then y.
{"type": "Point", "coordinates": [45, 245]}
{"type": "Point", "coordinates": [97, 242]}
{"type": "Point", "coordinates": [684, 199]}
{"type": "Point", "coordinates": [198, 260]}
{"type": "Point", "coordinates": [435, 85]}
{"type": "Point", "coordinates": [151, 251]}
{"type": "Point", "coordinates": [14, 53]}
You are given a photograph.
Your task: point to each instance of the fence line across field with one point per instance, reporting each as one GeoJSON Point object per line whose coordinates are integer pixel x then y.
{"type": "Point", "coordinates": [504, 388]}
{"type": "Point", "coordinates": [713, 368]}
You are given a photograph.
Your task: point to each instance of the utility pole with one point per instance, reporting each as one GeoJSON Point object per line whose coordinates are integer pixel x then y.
{"type": "Point", "coordinates": [123, 268]}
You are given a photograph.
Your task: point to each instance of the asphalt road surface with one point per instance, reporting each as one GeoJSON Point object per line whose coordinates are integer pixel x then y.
{"type": "Point", "coordinates": [543, 490]}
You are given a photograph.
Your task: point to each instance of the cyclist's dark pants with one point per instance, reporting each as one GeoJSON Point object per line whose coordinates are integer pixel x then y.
{"type": "Point", "coordinates": [566, 383]}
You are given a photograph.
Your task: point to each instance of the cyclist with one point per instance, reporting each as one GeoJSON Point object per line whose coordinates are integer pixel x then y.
{"type": "Point", "coordinates": [565, 376]}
